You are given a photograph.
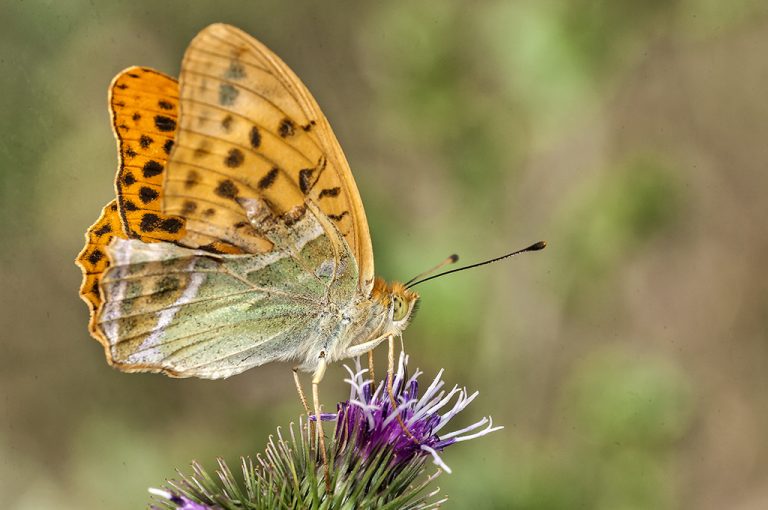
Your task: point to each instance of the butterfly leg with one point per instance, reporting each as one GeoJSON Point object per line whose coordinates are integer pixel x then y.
{"type": "Point", "coordinates": [390, 384]}
{"type": "Point", "coordinates": [371, 373]}
{"type": "Point", "coordinates": [391, 366]}
{"type": "Point", "coordinates": [365, 347]}
{"type": "Point", "coordinates": [301, 391]}
{"type": "Point", "coordinates": [316, 378]}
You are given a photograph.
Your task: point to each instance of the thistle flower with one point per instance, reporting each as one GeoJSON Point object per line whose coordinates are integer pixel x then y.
{"type": "Point", "coordinates": [374, 462]}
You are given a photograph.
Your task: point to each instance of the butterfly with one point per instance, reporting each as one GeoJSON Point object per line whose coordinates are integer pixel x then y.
{"type": "Point", "coordinates": [238, 236]}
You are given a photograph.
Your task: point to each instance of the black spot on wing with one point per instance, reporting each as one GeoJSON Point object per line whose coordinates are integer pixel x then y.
{"type": "Point", "coordinates": [136, 117]}
{"type": "Point", "coordinates": [151, 168]}
{"type": "Point", "coordinates": [210, 247]}
{"type": "Point", "coordinates": [104, 229]}
{"type": "Point", "coordinates": [234, 158]}
{"type": "Point", "coordinates": [147, 194]}
{"type": "Point", "coordinates": [165, 105]}
{"type": "Point", "coordinates": [164, 123]}
{"type": "Point", "coordinates": [305, 179]}
{"type": "Point", "coordinates": [167, 146]}
{"type": "Point", "coordinates": [226, 123]}
{"type": "Point", "coordinates": [95, 256]}
{"type": "Point", "coordinates": [171, 225]}
{"type": "Point", "coordinates": [220, 247]}
{"type": "Point", "coordinates": [145, 141]}
{"type": "Point", "coordinates": [226, 189]}
{"type": "Point", "coordinates": [329, 192]}
{"type": "Point", "coordinates": [151, 222]}
{"type": "Point", "coordinates": [269, 179]}
{"type": "Point", "coordinates": [188, 207]}
{"type": "Point", "coordinates": [338, 217]}
{"type": "Point", "coordinates": [286, 128]}
{"type": "Point", "coordinates": [129, 179]}
{"type": "Point", "coordinates": [255, 137]}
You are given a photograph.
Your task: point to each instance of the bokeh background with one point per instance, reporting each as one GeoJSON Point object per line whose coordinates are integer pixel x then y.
{"type": "Point", "coordinates": [627, 361]}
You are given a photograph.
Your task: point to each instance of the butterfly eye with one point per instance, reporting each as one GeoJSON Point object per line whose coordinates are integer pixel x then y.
{"type": "Point", "coordinates": [399, 309]}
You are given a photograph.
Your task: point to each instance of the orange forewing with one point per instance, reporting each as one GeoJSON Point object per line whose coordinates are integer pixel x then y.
{"type": "Point", "coordinates": [250, 129]}
{"type": "Point", "coordinates": [144, 105]}
{"type": "Point", "coordinates": [93, 260]}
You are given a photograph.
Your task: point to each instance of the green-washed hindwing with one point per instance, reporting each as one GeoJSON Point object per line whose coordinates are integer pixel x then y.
{"type": "Point", "coordinates": [187, 312]}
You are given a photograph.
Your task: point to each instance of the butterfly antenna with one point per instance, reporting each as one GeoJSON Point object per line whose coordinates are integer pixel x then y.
{"type": "Point", "coordinates": [534, 247]}
{"type": "Point", "coordinates": [450, 260]}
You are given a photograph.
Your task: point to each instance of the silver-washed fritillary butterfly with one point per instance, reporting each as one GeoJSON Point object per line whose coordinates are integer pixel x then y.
{"type": "Point", "coordinates": [238, 236]}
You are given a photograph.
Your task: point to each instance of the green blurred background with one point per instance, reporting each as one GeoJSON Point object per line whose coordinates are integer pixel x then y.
{"type": "Point", "coordinates": [627, 361]}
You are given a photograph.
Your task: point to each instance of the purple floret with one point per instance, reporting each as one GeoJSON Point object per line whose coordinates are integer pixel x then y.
{"type": "Point", "coordinates": [371, 420]}
{"type": "Point", "coordinates": [181, 502]}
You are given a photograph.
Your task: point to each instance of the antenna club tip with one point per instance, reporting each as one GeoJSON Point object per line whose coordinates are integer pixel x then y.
{"type": "Point", "coordinates": [453, 258]}
{"type": "Point", "coordinates": [538, 246]}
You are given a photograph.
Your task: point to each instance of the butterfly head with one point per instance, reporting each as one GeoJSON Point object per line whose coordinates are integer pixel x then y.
{"type": "Point", "coordinates": [399, 302]}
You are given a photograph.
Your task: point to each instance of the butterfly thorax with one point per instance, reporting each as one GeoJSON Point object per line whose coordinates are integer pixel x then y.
{"type": "Point", "coordinates": [364, 320]}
